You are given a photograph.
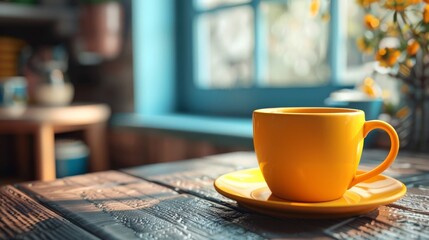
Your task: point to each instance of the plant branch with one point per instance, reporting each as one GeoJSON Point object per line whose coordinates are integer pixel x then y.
{"type": "Point", "coordinates": [405, 19]}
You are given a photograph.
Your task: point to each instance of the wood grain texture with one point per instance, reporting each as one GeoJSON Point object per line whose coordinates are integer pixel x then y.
{"type": "Point", "coordinates": [196, 176]}
{"type": "Point", "coordinates": [407, 217]}
{"type": "Point", "coordinates": [177, 201]}
{"type": "Point", "coordinates": [386, 223]}
{"type": "Point", "coordinates": [23, 218]}
{"type": "Point", "coordinates": [114, 205]}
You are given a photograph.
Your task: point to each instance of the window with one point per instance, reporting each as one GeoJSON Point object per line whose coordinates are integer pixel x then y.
{"type": "Point", "coordinates": [260, 43]}
{"type": "Point", "coordinates": [249, 54]}
{"type": "Point", "coordinates": [229, 57]}
{"type": "Point", "coordinates": [357, 66]}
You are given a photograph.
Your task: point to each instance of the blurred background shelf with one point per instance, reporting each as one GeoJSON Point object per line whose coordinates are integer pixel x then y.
{"type": "Point", "coordinates": [61, 18]}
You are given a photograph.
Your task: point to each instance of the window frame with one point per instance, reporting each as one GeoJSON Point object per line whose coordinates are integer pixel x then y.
{"type": "Point", "coordinates": [166, 99]}
{"type": "Point", "coordinates": [175, 91]}
{"type": "Point", "coordinates": [242, 101]}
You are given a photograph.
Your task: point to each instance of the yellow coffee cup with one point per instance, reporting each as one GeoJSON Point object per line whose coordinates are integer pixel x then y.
{"type": "Point", "coordinates": [312, 154]}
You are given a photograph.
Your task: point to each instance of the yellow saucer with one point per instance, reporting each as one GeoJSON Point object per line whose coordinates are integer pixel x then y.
{"type": "Point", "coordinates": [249, 189]}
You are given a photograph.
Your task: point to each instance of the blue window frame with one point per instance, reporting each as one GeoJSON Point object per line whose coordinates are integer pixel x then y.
{"type": "Point", "coordinates": [164, 59]}
{"type": "Point", "coordinates": [242, 101]}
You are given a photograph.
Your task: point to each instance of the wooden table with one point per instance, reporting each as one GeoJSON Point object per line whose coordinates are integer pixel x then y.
{"type": "Point", "coordinates": [177, 201]}
{"type": "Point", "coordinates": [44, 122]}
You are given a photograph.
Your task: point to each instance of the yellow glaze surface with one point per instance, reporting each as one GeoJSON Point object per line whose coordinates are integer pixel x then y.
{"type": "Point", "coordinates": [249, 189]}
{"type": "Point", "coordinates": [301, 148]}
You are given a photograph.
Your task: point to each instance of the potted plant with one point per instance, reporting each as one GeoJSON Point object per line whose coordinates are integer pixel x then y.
{"type": "Point", "coordinates": [397, 35]}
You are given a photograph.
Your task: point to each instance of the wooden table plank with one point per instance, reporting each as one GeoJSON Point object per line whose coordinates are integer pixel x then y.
{"type": "Point", "coordinates": [416, 200]}
{"type": "Point", "coordinates": [128, 208]}
{"type": "Point", "coordinates": [23, 218]}
{"type": "Point", "coordinates": [197, 176]}
{"type": "Point", "coordinates": [194, 178]}
{"type": "Point", "coordinates": [113, 205]}
{"type": "Point", "coordinates": [100, 202]}
{"type": "Point", "coordinates": [177, 200]}
{"type": "Point", "coordinates": [406, 164]}
{"type": "Point", "coordinates": [407, 218]}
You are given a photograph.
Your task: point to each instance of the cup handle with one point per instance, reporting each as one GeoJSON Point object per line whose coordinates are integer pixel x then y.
{"type": "Point", "coordinates": [394, 148]}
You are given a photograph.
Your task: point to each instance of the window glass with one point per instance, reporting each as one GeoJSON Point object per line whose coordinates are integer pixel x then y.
{"type": "Point", "coordinates": [286, 45]}
{"type": "Point", "coordinates": [357, 63]}
{"type": "Point", "coordinates": [225, 48]}
{"type": "Point", "coordinates": [295, 44]}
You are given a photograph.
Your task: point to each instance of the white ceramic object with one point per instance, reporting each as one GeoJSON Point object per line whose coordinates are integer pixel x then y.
{"type": "Point", "coordinates": [54, 94]}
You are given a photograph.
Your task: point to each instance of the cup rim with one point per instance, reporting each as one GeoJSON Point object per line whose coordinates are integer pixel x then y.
{"type": "Point", "coordinates": [306, 111]}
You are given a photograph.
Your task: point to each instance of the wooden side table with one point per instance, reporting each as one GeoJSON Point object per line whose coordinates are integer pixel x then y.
{"type": "Point", "coordinates": [45, 122]}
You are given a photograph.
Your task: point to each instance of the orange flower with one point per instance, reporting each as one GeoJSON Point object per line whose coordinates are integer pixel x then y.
{"type": "Point", "coordinates": [413, 47]}
{"type": "Point", "coordinates": [371, 22]}
{"type": "Point", "coordinates": [398, 5]}
{"type": "Point", "coordinates": [366, 3]}
{"type": "Point", "coordinates": [403, 112]}
{"type": "Point", "coordinates": [426, 1]}
{"type": "Point", "coordinates": [387, 57]}
{"type": "Point", "coordinates": [314, 7]}
{"type": "Point", "coordinates": [364, 45]}
{"type": "Point", "coordinates": [426, 14]}
{"type": "Point", "coordinates": [415, 1]}
{"type": "Point", "coordinates": [369, 87]}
